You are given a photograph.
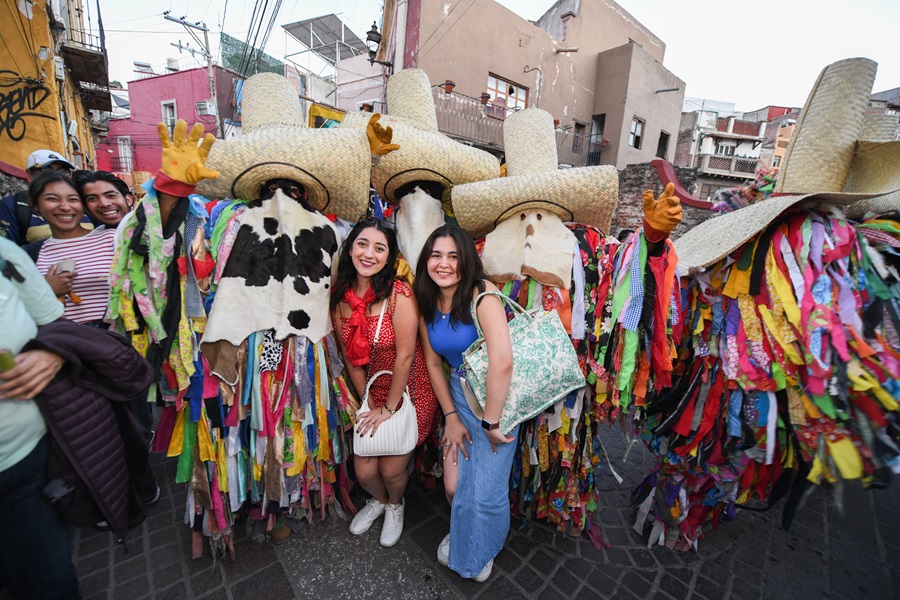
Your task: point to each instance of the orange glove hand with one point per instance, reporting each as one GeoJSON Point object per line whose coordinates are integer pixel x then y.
{"type": "Point", "coordinates": [183, 161]}
{"type": "Point", "coordinates": [380, 137]}
{"type": "Point", "coordinates": [661, 215]}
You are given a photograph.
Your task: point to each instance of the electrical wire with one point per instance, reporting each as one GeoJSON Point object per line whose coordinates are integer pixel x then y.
{"type": "Point", "coordinates": [446, 32]}
{"type": "Point", "coordinates": [422, 45]}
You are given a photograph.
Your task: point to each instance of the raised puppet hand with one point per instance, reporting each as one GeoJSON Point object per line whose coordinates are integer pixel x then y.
{"type": "Point", "coordinates": [183, 161]}
{"type": "Point", "coordinates": [661, 215]}
{"type": "Point", "coordinates": [380, 137]}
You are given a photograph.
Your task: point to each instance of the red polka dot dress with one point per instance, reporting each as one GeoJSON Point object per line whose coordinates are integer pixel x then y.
{"type": "Point", "coordinates": [384, 355]}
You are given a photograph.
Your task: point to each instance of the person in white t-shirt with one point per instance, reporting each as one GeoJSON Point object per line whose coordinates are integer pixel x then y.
{"type": "Point", "coordinates": [35, 559]}
{"type": "Point", "coordinates": [75, 260]}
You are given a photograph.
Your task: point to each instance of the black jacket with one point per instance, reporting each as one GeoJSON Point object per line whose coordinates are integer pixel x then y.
{"type": "Point", "coordinates": [101, 467]}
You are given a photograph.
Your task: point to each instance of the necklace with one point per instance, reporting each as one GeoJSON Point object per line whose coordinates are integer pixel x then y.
{"type": "Point", "coordinates": [443, 314]}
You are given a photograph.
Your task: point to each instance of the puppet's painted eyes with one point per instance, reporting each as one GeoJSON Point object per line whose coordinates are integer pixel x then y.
{"type": "Point", "coordinates": [540, 216]}
{"type": "Point", "coordinates": [522, 217]}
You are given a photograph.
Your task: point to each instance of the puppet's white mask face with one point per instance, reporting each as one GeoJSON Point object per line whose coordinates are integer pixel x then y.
{"type": "Point", "coordinates": [419, 215]}
{"type": "Point", "coordinates": [531, 243]}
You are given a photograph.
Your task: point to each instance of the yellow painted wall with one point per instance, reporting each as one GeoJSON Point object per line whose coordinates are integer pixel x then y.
{"type": "Point", "coordinates": [31, 97]}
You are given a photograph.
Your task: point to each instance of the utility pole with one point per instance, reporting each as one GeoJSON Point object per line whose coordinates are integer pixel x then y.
{"type": "Point", "coordinates": [209, 63]}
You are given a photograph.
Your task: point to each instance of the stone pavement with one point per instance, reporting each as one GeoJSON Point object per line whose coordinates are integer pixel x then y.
{"type": "Point", "coordinates": [826, 555]}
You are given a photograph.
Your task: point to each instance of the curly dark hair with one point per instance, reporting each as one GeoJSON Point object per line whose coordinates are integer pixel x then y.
{"type": "Point", "coordinates": [383, 281]}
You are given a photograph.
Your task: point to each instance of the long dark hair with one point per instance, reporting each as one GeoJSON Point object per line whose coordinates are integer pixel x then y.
{"type": "Point", "coordinates": [37, 185]}
{"type": "Point", "coordinates": [468, 267]}
{"type": "Point", "coordinates": [383, 281]}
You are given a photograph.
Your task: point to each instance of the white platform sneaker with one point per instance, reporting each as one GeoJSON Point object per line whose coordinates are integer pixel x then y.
{"type": "Point", "coordinates": [393, 524]}
{"type": "Point", "coordinates": [443, 555]}
{"type": "Point", "coordinates": [366, 516]}
{"type": "Point", "coordinates": [485, 572]}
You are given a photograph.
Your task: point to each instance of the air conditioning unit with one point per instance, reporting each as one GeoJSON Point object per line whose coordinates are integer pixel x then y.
{"type": "Point", "coordinates": [205, 108]}
{"type": "Point", "coordinates": [59, 68]}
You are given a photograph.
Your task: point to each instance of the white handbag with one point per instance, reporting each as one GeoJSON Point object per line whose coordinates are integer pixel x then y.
{"type": "Point", "coordinates": [395, 436]}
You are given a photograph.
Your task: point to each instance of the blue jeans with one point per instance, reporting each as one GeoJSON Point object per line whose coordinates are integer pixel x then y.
{"type": "Point", "coordinates": [479, 517]}
{"type": "Point", "coordinates": [35, 558]}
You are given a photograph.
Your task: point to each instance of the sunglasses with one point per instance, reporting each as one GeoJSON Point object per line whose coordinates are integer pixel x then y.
{"type": "Point", "coordinates": [367, 220]}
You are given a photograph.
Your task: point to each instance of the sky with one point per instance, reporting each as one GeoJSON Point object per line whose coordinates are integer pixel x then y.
{"type": "Point", "coordinates": [751, 54]}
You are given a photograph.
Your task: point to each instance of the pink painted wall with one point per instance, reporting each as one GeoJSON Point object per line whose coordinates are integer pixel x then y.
{"type": "Point", "coordinates": [146, 97]}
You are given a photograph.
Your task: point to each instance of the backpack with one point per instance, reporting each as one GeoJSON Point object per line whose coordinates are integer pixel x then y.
{"type": "Point", "coordinates": [23, 212]}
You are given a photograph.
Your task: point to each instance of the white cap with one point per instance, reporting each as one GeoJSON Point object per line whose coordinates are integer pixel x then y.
{"type": "Point", "coordinates": [42, 158]}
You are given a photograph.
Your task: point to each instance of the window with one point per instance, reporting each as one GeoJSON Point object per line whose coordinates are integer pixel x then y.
{"type": "Point", "coordinates": [598, 124]}
{"type": "Point", "coordinates": [125, 163]}
{"type": "Point", "coordinates": [662, 148]}
{"type": "Point", "coordinates": [578, 138]}
{"type": "Point", "coordinates": [776, 162]}
{"type": "Point", "coordinates": [564, 35]}
{"type": "Point", "coordinates": [504, 95]}
{"type": "Point", "coordinates": [169, 114]}
{"type": "Point", "coordinates": [725, 150]}
{"type": "Point", "coordinates": [637, 133]}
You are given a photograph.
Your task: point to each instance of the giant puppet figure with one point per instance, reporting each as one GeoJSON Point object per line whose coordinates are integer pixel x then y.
{"type": "Point", "coordinates": [788, 353]}
{"type": "Point", "coordinates": [419, 176]}
{"type": "Point", "coordinates": [266, 424]}
{"type": "Point", "coordinates": [545, 246]}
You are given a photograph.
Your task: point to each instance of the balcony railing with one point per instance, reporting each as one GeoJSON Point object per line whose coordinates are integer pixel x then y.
{"type": "Point", "coordinates": [463, 117]}
{"type": "Point", "coordinates": [733, 166]}
{"type": "Point", "coordinates": [467, 119]}
{"type": "Point", "coordinates": [84, 55]}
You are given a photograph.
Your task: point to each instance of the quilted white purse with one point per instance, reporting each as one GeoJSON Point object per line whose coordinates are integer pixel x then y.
{"type": "Point", "coordinates": [395, 436]}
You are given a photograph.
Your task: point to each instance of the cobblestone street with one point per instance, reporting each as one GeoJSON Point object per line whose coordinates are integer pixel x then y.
{"type": "Point", "coordinates": [826, 555]}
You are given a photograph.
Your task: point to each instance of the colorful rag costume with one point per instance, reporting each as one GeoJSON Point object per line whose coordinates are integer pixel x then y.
{"type": "Point", "coordinates": [616, 301]}
{"type": "Point", "coordinates": [269, 427]}
{"type": "Point", "coordinates": [787, 369]}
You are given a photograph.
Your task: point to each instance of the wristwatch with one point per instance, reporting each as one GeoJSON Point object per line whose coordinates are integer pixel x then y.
{"type": "Point", "coordinates": [488, 426]}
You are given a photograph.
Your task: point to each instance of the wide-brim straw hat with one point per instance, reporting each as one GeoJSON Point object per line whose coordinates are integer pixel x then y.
{"type": "Point", "coordinates": [837, 155]}
{"type": "Point", "coordinates": [333, 165]}
{"type": "Point", "coordinates": [882, 205]}
{"type": "Point", "coordinates": [534, 181]}
{"type": "Point", "coordinates": [425, 154]}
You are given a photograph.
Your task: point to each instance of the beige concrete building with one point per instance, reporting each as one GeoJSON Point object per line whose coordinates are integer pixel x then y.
{"type": "Point", "coordinates": [589, 63]}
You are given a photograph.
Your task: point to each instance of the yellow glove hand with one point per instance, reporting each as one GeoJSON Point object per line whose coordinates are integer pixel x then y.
{"type": "Point", "coordinates": [404, 272]}
{"type": "Point", "coordinates": [661, 215]}
{"type": "Point", "coordinates": [380, 137]}
{"type": "Point", "coordinates": [183, 161]}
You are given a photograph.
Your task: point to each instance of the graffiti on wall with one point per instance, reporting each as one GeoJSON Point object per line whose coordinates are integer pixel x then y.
{"type": "Point", "coordinates": [19, 101]}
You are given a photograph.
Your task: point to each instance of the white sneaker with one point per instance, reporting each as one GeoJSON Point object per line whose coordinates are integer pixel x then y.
{"type": "Point", "coordinates": [443, 556]}
{"type": "Point", "coordinates": [365, 517]}
{"type": "Point", "coordinates": [393, 524]}
{"type": "Point", "coordinates": [485, 572]}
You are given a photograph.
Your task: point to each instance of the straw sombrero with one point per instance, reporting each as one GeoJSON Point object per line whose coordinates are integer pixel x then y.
{"type": "Point", "coordinates": [425, 154]}
{"type": "Point", "coordinates": [837, 155]}
{"type": "Point", "coordinates": [333, 165]}
{"type": "Point", "coordinates": [534, 181]}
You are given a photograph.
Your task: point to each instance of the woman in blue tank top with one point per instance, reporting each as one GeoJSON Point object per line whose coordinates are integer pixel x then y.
{"type": "Point", "coordinates": [477, 456]}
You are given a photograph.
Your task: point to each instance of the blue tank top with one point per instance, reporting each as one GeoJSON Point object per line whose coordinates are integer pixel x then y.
{"type": "Point", "coordinates": [450, 341]}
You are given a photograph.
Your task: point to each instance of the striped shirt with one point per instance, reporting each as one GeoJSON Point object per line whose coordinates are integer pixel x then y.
{"type": "Point", "coordinates": [93, 255]}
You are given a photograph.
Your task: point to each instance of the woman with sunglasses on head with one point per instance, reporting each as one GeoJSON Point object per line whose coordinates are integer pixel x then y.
{"type": "Point", "coordinates": [477, 455]}
{"type": "Point", "coordinates": [75, 260]}
{"type": "Point", "coordinates": [364, 294]}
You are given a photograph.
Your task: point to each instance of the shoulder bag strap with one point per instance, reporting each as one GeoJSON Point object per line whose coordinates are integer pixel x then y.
{"type": "Point", "coordinates": [503, 298]}
{"type": "Point", "coordinates": [380, 319]}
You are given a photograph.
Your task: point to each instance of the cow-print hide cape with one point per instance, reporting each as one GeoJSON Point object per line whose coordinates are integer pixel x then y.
{"type": "Point", "coordinates": [278, 275]}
